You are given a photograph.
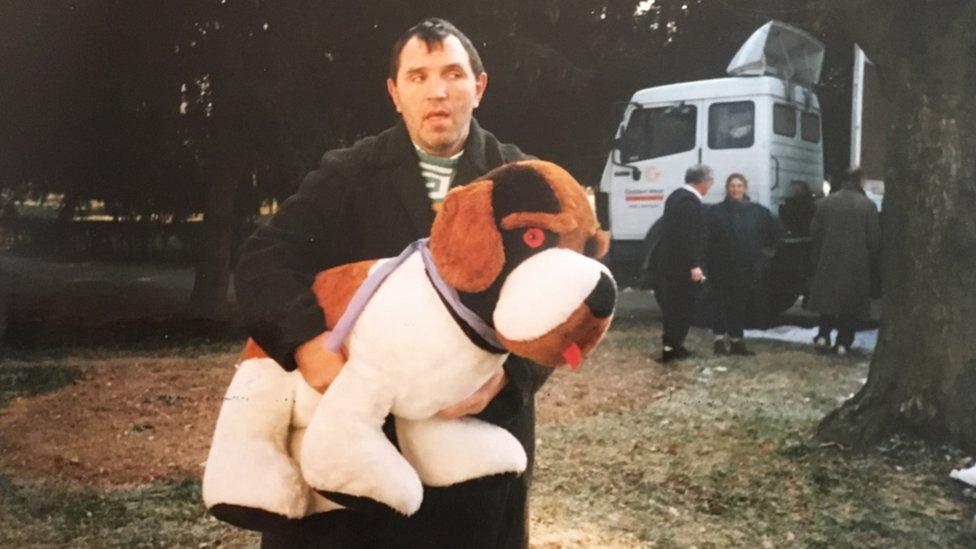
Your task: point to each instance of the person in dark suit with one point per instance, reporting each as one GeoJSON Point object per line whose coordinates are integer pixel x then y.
{"type": "Point", "coordinates": [796, 212]}
{"type": "Point", "coordinates": [681, 259]}
{"type": "Point", "coordinates": [370, 201]}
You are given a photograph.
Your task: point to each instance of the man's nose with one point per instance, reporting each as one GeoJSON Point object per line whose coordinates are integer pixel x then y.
{"type": "Point", "coordinates": [436, 88]}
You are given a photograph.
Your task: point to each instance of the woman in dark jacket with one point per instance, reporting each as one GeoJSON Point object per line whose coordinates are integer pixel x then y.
{"type": "Point", "coordinates": [741, 237]}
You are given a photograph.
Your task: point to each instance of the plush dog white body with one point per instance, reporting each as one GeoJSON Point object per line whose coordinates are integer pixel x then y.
{"type": "Point", "coordinates": [278, 444]}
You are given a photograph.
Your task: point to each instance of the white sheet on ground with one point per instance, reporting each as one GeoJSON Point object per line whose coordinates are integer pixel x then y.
{"type": "Point", "coordinates": [965, 475]}
{"type": "Point", "coordinates": [865, 340]}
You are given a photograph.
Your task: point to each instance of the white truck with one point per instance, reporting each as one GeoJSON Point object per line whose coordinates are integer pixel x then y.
{"type": "Point", "coordinates": [762, 121]}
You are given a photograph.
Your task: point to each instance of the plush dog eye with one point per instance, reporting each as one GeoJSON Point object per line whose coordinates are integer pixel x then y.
{"type": "Point", "coordinates": [534, 237]}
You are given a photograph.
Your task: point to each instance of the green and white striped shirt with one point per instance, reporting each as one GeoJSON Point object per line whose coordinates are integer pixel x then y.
{"type": "Point", "coordinates": [438, 173]}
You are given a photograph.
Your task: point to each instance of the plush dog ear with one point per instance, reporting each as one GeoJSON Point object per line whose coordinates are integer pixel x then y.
{"type": "Point", "coordinates": [597, 245]}
{"type": "Point", "coordinates": [464, 242]}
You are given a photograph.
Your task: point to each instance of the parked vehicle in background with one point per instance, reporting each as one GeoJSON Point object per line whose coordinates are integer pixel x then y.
{"type": "Point", "coordinates": [763, 120]}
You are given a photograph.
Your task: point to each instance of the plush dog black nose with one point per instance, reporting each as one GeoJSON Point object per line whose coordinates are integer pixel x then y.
{"type": "Point", "coordinates": [602, 299]}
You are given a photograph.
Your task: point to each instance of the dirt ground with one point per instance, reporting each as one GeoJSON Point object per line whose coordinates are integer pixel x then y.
{"type": "Point", "coordinates": [104, 445]}
{"type": "Point", "coordinates": [707, 453]}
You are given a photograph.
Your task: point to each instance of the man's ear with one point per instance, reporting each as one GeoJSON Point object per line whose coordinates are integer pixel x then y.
{"type": "Point", "coordinates": [394, 93]}
{"type": "Point", "coordinates": [479, 87]}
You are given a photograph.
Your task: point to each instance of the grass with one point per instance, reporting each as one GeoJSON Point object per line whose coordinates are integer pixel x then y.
{"type": "Point", "coordinates": [155, 345]}
{"type": "Point", "coordinates": [727, 462]}
{"type": "Point", "coordinates": [169, 514]}
{"type": "Point", "coordinates": [28, 381]}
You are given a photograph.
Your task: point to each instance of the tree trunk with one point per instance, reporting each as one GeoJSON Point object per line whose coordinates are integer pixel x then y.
{"type": "Point", "coordinates": [209, 297]}
{"type": "Point", "coordinates": [66, 213]}
{"type": "Point", "coordinates": [922, 378]}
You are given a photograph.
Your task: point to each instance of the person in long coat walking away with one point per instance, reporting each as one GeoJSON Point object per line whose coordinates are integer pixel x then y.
{"type": "Point", "coordinates": [742, 236]}
{"type": "Point", "coordinates": [846, 237]}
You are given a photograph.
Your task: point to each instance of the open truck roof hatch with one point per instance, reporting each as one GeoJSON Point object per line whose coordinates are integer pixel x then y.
{"type": "Point", "coordinates": [777, 49]}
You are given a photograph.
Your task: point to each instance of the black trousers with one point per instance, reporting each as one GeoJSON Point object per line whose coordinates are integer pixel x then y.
{"type": "Point", "coordinates": [845, 328]}
{"type": "Point", "coordinates": [676, 297]}
{"type": "Point", "coordinates": [488, 513]}
{"type": "Point", "coordinates": [730, 311]}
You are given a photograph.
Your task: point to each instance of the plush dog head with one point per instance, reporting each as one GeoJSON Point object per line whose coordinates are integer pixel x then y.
{"type": "Point", "coordinates": [521, 247]}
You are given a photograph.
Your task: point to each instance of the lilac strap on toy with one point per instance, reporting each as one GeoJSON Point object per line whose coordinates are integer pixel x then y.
{"type": "Point", "coordinates": [373, 281]}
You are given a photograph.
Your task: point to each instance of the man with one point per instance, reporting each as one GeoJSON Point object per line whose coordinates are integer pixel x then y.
{"type": "Point", "coordinates": [370, 201]}
{"type": "Point", "coordinates": [680, 256]}
{"type": "Point", "coordinates": [846, 238]}
{"type": "Point", "coordinates": [796, 212]}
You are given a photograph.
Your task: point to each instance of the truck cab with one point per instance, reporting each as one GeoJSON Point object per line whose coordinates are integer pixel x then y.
{"type": "Point", "coordinates": [763, 120]}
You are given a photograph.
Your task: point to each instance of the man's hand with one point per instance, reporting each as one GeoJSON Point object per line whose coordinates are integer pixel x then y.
{"type": "Point", "coordinates": [478, 400]}
{"type": "Point", "coordinates": [318, 365]}
{"type": "Point", "coordinates": [697, 275]}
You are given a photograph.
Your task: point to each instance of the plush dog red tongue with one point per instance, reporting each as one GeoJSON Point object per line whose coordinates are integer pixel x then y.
{"type": "Point", "coordinates": [573, 356]}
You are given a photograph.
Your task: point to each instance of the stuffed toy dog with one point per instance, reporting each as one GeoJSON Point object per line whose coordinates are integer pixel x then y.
{"type": "Point", "coordinates": [510, 267]}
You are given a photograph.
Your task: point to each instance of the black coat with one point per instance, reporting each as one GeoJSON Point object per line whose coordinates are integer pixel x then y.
{"type": "Point", "coordinates": [846, 241]}
{"type": "Point", "coordinates": [680, 248]}
{"type": "Point", "coordinates": [365, 202]}
{"type": "Point", "coordinates": [741, 236]}
{"type": "Point", "coordinates": [796, 213]}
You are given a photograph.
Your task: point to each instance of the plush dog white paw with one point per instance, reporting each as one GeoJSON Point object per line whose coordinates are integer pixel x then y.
{"type": "Point", "coordinates": [446, 452]}
{"type": "Point", "coordinates": [345, 454]}
{"type": "Point", "coordinates": [241, 483]}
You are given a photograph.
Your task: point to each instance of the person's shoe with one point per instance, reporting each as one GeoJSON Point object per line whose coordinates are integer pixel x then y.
{"type": "Point", "coordinates": [841, 350]}
{"type": "Point", "coordinates": [670, 354]}
{"type": "Point", "coordinates": [739, 348]}
{"type": "Point", "coordinates": [721, 347]}
{"type": "Point", "coordinates": [821, 342]}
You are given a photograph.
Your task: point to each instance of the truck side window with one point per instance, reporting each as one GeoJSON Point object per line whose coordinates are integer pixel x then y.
{"type": "Point", "coordinates": [784, 120]}
{"type": "Point", "coordinates": [658, 132]}
{"type": "Point", "coordinates": [730, 125]}
{"type": "Point", "coordinates": [810, 127]}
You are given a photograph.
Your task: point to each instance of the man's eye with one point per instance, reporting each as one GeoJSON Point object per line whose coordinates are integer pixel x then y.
{"type": "Point", "coordinates": [534, 237]}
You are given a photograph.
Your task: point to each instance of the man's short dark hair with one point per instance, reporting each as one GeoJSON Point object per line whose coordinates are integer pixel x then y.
{"type": "Point", "coordinates": [433, 31]}
{"type": "Point", "coordinates": [852, 178]}
{"type": "Point", "coordinates": [697, 174]}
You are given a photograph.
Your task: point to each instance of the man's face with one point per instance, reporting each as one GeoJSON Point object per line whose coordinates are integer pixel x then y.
{"type": "Point", "coordinates": [436, 92]}
{"type": "Point", "coordinates": [705, 185]}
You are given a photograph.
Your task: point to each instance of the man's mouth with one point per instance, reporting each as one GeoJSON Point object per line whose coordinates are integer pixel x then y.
{"type": "Point", "coordinates": [436, 116]}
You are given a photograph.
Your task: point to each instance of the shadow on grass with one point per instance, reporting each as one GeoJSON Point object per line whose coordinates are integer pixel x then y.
{"type": "Point", "coordinates": [28, 381]}
{"type": "Point", "coordinates": [166, 514]}
{"type": "Point", "coordinates": [30, 339]}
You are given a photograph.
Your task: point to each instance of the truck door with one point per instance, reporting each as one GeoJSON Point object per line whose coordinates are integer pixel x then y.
{"type": "Point", "coordinates": [653, 151]}
{"type": "Point", "coordinates": [731, 146]}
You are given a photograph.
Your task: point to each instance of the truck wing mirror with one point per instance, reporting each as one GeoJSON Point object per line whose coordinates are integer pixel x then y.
{"type": "Point", "coordinates": [635, 172]}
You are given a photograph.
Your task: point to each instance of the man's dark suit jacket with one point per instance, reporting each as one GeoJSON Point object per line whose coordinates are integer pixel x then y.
{"type": "Point", "coordinates": [365, 202]}
{"type": "Point", "coordinates": [682, 236]}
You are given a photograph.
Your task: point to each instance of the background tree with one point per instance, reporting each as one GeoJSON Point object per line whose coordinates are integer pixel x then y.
{"type": "Point", "coordinates": [923, 371]}
{"type": "Point", "coordinates": [164, 112]}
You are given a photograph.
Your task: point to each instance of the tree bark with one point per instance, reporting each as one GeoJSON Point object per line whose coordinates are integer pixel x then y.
{"type": "Point", "coordinates": [209, 296]}
{"type": "Point", "coordinates": [922, 378]}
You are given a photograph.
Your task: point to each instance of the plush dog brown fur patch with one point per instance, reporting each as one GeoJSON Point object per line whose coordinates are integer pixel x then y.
{"type": "Point", "coordinates": [465, 240]}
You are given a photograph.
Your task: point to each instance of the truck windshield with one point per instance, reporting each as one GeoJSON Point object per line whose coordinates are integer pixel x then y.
{"type": "Point", "coordinates": [658, 132]}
